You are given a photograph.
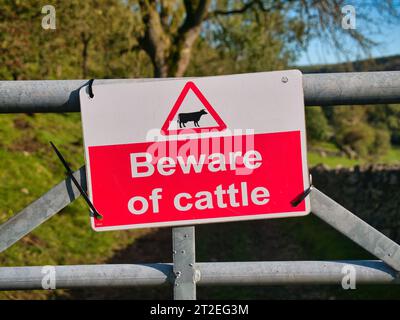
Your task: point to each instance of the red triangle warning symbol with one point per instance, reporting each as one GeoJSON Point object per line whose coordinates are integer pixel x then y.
{"type": "Point", "coordinates": [190, 122]}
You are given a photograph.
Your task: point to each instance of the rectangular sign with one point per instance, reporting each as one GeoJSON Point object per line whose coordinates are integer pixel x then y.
{"type": "Point", "coordinates": [188, 151]}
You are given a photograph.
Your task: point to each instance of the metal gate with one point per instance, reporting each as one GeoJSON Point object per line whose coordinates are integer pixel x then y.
{"type": "Point", "coordinates": [184, 274]}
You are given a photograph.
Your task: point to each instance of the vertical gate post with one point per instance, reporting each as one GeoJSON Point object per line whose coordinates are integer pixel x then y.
{"type": "Point", "coordinates": [183, 246]}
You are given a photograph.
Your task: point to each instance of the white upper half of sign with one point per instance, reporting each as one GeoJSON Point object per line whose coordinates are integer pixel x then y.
{"type": "Point", "coordinates": [126, 112]}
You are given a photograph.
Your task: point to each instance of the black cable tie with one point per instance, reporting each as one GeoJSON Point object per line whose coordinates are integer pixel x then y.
{"type": "Point", "coordinates": [90, 88]}
{"type": "Point", "coordinates": [303, 195]}
{"type": "Point", "coordinates": [70, 174]}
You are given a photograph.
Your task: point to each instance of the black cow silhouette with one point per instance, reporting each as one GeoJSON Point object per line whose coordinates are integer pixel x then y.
{"type": "Point", "coordinates": [191, 116]}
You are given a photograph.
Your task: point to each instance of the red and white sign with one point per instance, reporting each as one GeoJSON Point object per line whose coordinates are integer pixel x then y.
{"type": "Point", "coordinates": [173, 120]}
{"type": "Point", "coordinates": [181, 152]}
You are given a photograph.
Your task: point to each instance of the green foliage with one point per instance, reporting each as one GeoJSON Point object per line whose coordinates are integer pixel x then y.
{"type": "Point", "coordinates": [386, 117]}
{"type": "Point", "coordinates": [318, 128]}
{"type": "Point", "coordinates": [329, 154]}
{"type": "Point", "coordinates": [92, 39]}
{"type": "Point", "coordinates": [361, 132]}
{"type": "Point", "coordinates": [358, 138]}
{"type": "Point", "coordinates": [356, 135]}
{"type": "Point", "coordinates": [381, 144]}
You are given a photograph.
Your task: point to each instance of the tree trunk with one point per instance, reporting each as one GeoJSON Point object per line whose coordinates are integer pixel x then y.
{"type": "Point", "coordinates": [170, 54]}
{"type": "Point", "coordinates": [180, 58]}
{"type": "Point", "coordinates": [196, 13]}
{"type": "Point", "coordinates": [154, 41]}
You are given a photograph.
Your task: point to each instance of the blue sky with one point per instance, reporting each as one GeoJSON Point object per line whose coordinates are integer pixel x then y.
{"type": "Point", "coordinates": [388, 38]}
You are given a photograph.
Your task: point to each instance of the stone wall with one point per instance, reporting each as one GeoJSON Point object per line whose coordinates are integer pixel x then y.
{"type": "Point", "coordinates": [372, 193]}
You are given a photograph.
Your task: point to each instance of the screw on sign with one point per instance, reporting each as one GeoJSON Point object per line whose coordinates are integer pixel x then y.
{"type": "Point", "coordinates": [212, 149]}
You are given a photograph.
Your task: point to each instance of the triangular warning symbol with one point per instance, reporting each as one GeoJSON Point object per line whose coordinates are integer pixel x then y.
{"type": "Point", "coordinates": [197, 110]}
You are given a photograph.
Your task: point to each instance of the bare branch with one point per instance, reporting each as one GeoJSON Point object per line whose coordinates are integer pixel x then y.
{"type": "Point", "coordinates": [256, 4]}
{"type": "Point", "coordinates": [165, 12]}
{"type": "Point", "coordinates": [243, 9]}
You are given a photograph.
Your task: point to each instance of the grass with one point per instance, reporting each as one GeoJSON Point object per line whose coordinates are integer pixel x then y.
{"type": "Point", "coordinates": [332, 162]}
{"type": "Point", "coordinates": [393, 156]}
{"type": "Point", "coordinates": [315, 157]}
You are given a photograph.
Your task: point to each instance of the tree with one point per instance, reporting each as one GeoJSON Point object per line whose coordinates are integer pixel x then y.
{"type": "Point", "coordinates": [386, 117]}
{"type": "Point", "coordinates": [113, 38]}
{"type": "Point", "coordinates": [356, 135]}
{"type": "Point", "coordinates": [87, 42]}
{"type": "Point", "coordinates": [171, 28]}
{"type": "Point", "coordinates": [318, 128]}
{"type": "Point", "coordinates": [238, 47]}
{"type": "Point", "coordinates": [16, 23]}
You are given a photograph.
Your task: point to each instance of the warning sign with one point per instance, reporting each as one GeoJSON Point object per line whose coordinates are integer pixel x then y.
{"type": "Point", "coordinates": [191, 107]}
{"type": "Point", "coordinates": [179, 152]}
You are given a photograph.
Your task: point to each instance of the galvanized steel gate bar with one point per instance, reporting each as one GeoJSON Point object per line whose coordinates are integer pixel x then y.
{"type": "Point", "coordinates": [319, 89]}
{"type": "Point", "coordinates": [185, 273]}
{"type": "Point", "coordinates": [215, 273]}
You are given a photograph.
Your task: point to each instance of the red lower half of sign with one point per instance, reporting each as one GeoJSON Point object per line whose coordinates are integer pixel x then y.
{"type": "Point", "coordinates": [197, 181]}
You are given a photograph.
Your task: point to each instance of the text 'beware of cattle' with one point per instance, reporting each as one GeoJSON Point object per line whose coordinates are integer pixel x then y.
{"type": "Point", "coordinates": [213, 149]}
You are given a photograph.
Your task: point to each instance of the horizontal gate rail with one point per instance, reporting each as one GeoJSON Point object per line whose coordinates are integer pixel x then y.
{"type": "Point", "coordinates": [319, 89]}
{"type": "Point", "coordinates": [210, 274]}
{"type": "Point", "coordinates": [294, 272]}
{"type": "Point", "coordinates": [86, 276]}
